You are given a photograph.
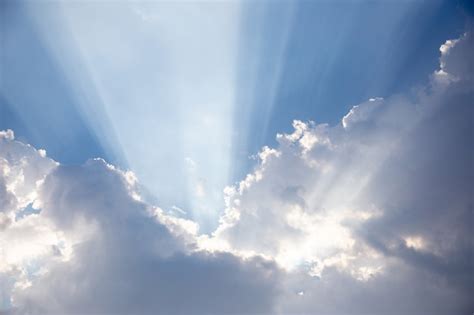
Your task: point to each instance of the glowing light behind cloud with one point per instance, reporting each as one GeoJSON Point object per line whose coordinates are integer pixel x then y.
{"type": "Point", "coordinates": [182, 93]}
{"type": "Point", "coordinates": [163, 76]}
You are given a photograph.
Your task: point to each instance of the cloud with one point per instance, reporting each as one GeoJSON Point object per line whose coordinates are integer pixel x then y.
{"type": "Point", "coordinates": [455, 57]}
{"type": "Point", "coordinates": [99, 250]}
{"type": "Point", "coordinates": [22, 168]}
{"type": "Point", "coordinates": [372, 215]}
{"type": "Point", "coordinates": [386, 192]}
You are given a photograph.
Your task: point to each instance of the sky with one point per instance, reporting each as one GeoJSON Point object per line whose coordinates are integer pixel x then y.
{"type": "Point", "coordinates": [244, 157]}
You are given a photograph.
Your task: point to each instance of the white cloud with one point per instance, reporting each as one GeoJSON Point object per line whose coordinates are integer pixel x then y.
{"type": "Point", "coordinates": [386, 190]}
{"type": "Point", "coordinates": [7, 134]}
{"type": "Point", "coordinates": [369, 216]}
{"type": "Point", "coordinates": [95, 248]}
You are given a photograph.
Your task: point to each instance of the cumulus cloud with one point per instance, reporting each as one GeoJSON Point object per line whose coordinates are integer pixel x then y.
{"type": "Point", "coordinates": [385, 194]}
{"type": "Point", "coordinates": [21, 170]}
{"type": "Point", "coordinates": [95, 248]}
{"type": "Point", "coordinates": [373, 215]}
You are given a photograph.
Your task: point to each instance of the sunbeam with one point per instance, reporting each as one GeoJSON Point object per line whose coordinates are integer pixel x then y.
{"type": "Point", "coordinates": [164, 80]}
{"type": "Point", "coordinates": [236, 157]}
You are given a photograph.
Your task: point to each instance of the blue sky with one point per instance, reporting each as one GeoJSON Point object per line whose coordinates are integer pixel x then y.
{"type": "Point", "coordinates": [201, 88]}
{"type": "Point", "coordinates": [236, 157]}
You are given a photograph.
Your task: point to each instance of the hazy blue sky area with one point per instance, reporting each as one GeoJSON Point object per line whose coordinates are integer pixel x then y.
{"type": "Point", "coordinates": [328, 56]}
{"type": "Point", "coordinates": [142, 83]}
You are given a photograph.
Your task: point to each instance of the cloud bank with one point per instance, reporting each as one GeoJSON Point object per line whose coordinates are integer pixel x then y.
{"type": "Point", "coordinates": [373, 216]}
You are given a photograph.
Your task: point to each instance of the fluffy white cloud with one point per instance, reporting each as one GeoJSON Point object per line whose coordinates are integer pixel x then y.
{"type": "Point", "coordinates": [386, 192]}
{"type": "Point", "coordinates": [22, 168]}
{"type": "Point", "coordinates": [96, 248]}
{"type": "Point", "coordinates": [373, 215]}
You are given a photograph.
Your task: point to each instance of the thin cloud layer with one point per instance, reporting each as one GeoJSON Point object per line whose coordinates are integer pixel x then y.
{"type": "Point", "coordinates": [373, 215]}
